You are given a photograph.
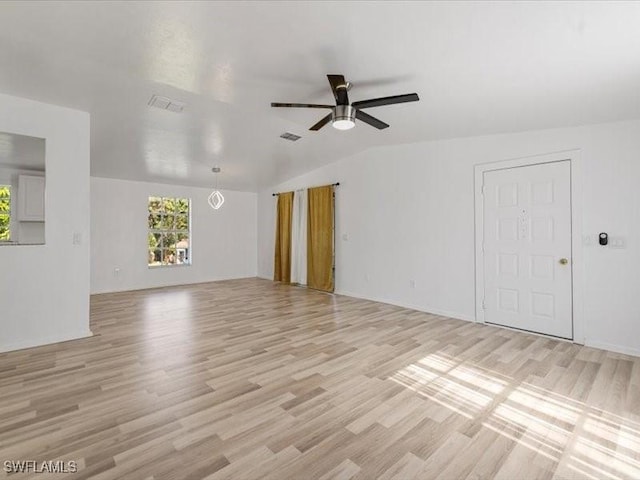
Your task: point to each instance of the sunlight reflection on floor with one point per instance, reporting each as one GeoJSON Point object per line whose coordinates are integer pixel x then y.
{"type": "Point", "coordinates": [167, 315]}
{"type": "Point", "coordinates": [587, 441]}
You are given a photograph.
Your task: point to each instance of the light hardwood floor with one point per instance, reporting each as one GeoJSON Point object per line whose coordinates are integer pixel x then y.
{"type": "Point", "coordinates": [250, 379]}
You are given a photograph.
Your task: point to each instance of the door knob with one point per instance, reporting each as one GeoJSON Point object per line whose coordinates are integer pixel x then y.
{"type": "Point", "coordinates": [564, 261]}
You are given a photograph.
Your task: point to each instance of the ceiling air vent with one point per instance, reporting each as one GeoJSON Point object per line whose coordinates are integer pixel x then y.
{"type": "Point", "coordinates": [290, 136]}
{"type": "Point", "coordinates": [165, 103]}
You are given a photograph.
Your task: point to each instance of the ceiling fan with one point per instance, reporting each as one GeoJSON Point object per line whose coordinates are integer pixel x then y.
{"type": "Point", "coordinates": [343, 113]}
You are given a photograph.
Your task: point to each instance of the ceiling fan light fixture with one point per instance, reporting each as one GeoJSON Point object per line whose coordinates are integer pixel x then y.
{"type": "Point", "coordinates": [344, 117]}
{"type": "Point", "coordinates": [345, 124]}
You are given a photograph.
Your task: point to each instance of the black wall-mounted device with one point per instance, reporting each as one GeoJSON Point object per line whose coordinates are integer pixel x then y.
{"type": "Point", "coordinates": [603, 238]}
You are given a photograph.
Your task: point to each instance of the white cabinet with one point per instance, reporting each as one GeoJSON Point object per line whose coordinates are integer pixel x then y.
{"type": "Point", "coordinates": [30, 198]}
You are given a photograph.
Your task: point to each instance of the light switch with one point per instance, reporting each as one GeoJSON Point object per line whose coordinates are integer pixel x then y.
{"type": "Point", "coordinates": [617, 242]}
{"type": "Point", "coordinates": [77, 238]}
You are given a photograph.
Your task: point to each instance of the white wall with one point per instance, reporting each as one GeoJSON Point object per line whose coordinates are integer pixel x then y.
{"type": "Point", "coordinates": [223, 241]}
{"type": "Point", "coordinates": [44, 289]}
{"type": "Point", "coordinates": [408, 213]}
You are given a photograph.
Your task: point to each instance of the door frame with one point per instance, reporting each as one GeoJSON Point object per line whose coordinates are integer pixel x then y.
{"type": "Point", "coordinates": [577, 262]}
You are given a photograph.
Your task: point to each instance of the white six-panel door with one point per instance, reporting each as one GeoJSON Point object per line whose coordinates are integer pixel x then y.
{"type": "Point", "coordinates": [527, 248]}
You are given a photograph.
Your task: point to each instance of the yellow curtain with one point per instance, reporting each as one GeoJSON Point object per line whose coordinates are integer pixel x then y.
{"type": "Point", "coordinates": [282, 265]}
{"type": "Point", "coordinates": [320, 239]}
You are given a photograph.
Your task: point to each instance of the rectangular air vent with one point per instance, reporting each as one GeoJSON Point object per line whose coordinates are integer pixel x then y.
{"type": "Point", "coordinates": [290, 136]}
{"type": "Point", "coordinates": [165, 103]}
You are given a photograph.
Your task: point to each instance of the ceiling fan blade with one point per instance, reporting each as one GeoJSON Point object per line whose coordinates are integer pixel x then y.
{"type": "Point", "coordinates": [300, 105]}
{"type": "Point", "coordinates": [373, 121]}
{"type": "Point", "coordinates": [322, 122]}
{"type": "Point", "coordinates": [378, 102]}
{"type": "Point", "coordinates": [339, 88]}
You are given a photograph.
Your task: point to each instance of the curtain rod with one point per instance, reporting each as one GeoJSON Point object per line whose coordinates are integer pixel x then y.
{"type": "Point", "coordinates": [333, 185]}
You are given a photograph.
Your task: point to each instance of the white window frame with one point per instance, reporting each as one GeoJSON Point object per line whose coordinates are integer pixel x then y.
{"type": "Point", "coordinates": [161, 231]}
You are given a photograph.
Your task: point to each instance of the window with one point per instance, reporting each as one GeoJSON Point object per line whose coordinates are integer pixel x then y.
{"type": "Point", "coordinates": [169, 231]}
{"type": "Point", "coordinates": [5, 213]}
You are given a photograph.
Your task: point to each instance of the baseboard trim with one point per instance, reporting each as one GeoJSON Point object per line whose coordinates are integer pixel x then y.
{"type": "Point", "coordinates": [151, 287]}
{"type": "Point", "coordinates": [31, 343]}
{"type": "Point", "coordinates": [613, 348]}
{"type": "Point", "coordinates": [419, 308]}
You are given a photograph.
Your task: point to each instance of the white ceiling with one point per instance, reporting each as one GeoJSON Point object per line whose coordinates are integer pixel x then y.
{"type": "Point", "coordinates": [479, 68]}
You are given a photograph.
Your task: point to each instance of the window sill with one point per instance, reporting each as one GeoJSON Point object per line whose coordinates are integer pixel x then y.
{"type": "Point", "coordinates": [177, 265]}
{"type": "Point", "coordinates": [18, 244]}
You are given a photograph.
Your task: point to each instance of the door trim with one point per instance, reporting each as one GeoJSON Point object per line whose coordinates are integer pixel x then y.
{"type": "Point", "coordinates": [577, 276]}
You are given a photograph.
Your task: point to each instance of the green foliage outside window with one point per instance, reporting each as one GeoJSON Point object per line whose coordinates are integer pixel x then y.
{"type": "Point", "coordinates": [5, 213]}
{"type": "Point", "coordinates": [168, 236]}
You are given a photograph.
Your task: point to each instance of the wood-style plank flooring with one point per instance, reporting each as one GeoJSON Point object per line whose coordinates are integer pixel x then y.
{"type": "Point", "coordinates": [249, 379]}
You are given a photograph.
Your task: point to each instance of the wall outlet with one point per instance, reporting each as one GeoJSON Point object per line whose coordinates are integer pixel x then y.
{"type": "Point", "coordinates": [77, 238]}
{"type": "Point", "coordinates": [412, 283]}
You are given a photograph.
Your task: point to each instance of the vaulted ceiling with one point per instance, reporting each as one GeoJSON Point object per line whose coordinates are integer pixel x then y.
{"type": "Point", "coordinates": [479, 68]}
